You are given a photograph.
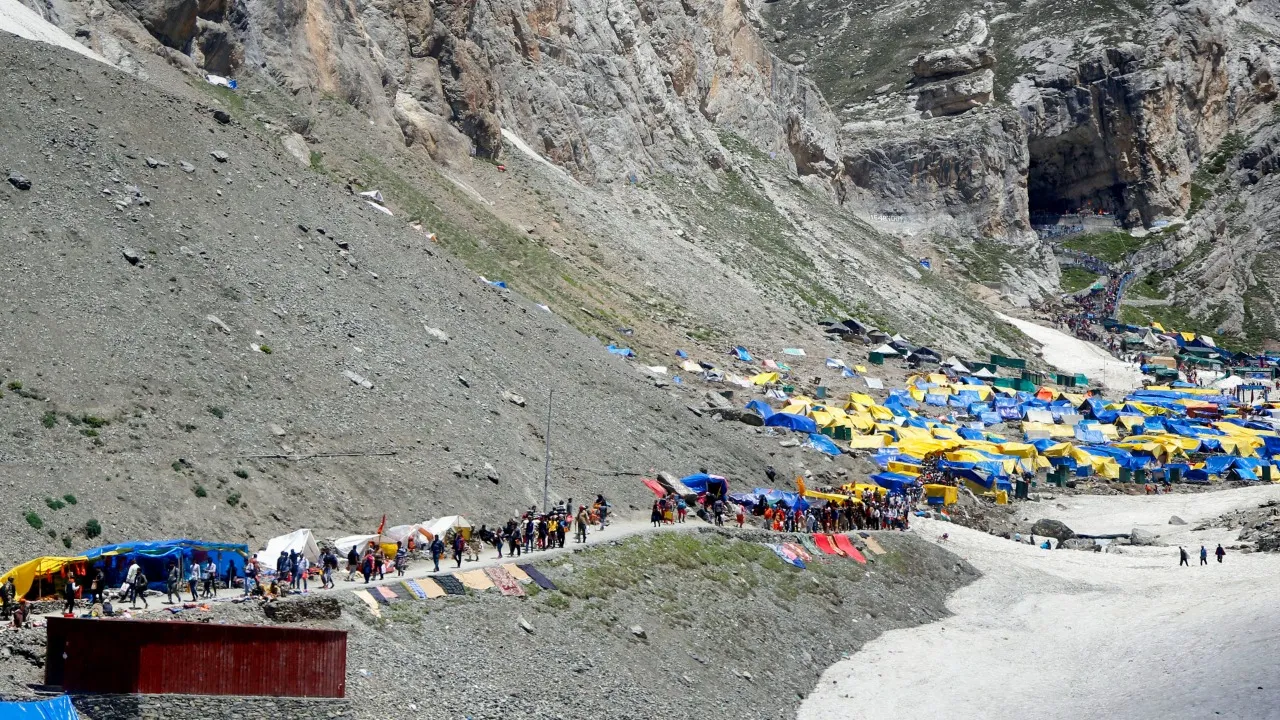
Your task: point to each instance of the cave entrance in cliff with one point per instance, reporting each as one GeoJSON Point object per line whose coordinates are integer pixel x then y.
{"type": "Point", "coordinates": [1071, 174]}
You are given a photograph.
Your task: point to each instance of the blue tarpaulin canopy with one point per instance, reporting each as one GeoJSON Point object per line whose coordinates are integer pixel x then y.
{"type": "Point", "coordinates": [742, 354]}
{"type": "Point", "coordinates": [822, 443]}
{"type": "Point", "coordinates": [761, 408]}
{"type": "Point", "coordinates": [705, 483]}
{"type": "Point", "coordinates": [791, 421]}
{"type": "Point", "coordinates": [154, 556]}
{"type": "Point", "coordinates": [59, 708]}
{"type": "Point", "coordinates": [624, 352]}
{"type": "Point", "coordinates": [894, 482]}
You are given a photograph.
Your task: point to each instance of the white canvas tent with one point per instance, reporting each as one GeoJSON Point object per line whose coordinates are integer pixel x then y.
{"type": "Point", "coordinates": [402, 533]}
{"type": "Point", "coordinates": [441, 526]}
{"type": "Point", "coordinates": [362, 543]}
{"type": "Point", "coordinates": [885, 350]}
{"type": "Point", "coordinates": [985, 374]}
{"type": "Point", "coordinates": [302, 541]}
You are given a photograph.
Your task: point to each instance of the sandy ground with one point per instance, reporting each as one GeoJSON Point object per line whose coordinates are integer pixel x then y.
{"type": "Point", "coordinates": [1069, 634]}
{"type": "Point", "coordinates": [1073, 355]}
{"type": "Point", "coordinates": [20, 20]}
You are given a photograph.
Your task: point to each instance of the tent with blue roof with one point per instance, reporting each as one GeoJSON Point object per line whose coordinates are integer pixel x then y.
{"type": "Point", "coordinates": [893, 482]}
{"type": "Point", "coordinates": [742, 354]}
{"type": "Point", "coordinates": [823, 444]}
{"type": "Point", "coordinates": [791, 421]}
{"type": "Point", "coordinates": [714, 485]}
{"type": "Point", "coordinates": [761, 408]}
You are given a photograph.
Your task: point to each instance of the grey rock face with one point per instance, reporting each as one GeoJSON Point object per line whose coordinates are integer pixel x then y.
{"type": "Point", "coordinates": [172, 22]}
{"type": "Point", "coordinates": [958, 94]}
{"type": "Point", "coordinates": [952, 61]}
{"type": "Point", "coordinates": [1141, 537]}
{"type": "Point", "coordinates": [1055, 529]}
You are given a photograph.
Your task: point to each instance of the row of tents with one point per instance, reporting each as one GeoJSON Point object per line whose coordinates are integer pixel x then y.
{"type": "Point", "coordinates": [304, 542]}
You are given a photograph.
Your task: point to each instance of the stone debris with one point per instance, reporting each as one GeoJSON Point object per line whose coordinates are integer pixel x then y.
{"type": "Point", "coordinates": [19, 181]}
{"type": "Point", "coordinates": [220, 156]}
{"type": "Point", "coordinates": [357, 379]}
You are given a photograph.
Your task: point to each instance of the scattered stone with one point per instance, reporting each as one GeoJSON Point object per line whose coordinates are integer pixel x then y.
{"type": "Point", "coordinates": [357, 379]}
{"type": "Point", "coordinates": [1175, 520]}
{"type": "Point", "coordinates": [220, 156]}
{"type": "Point", "coordinates": [638, 631]}
{"type": "Point", "coordinates": [524, 624]}
{"type": "Point", "coordinates": [19, 181]}
{"type": "Point", "coordinates": [694, 410]}
{"type": "Point", "coordinates": [463, 381]}
{"type": "Point", "coordinates": [343, 244]}
{"type": "Point", "coordinates": [222, 116]}
{"type": "Point", "coordinates": [131, 255]}
{"type": "Point", "coordinates": [1078, 543]}
{"type": "Point", "coordinates": [276, 430]}
{"type": "Point", "coordinates": [187, 167]}
{"type": "Point", "coordinates": [1055, 529]}
{"type": "Point", "coordinates": [153, 163]}
{"type": "Point", "coordinates": [513, 398]}
{"type": "Point", "coordinates": [438, 334]}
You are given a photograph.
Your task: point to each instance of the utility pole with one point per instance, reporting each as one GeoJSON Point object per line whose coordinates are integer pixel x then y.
{"type": "Point", "coordinates": [546, 477]}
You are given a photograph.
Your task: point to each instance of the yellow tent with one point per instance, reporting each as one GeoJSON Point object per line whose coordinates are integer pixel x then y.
{"type": "Point", "coordinates": [948, 493]}
{"type": "Point", "coordinates": [868, 442]}
{"type": "Point", "coordinates": [765, 378]}
{"type": "Point", "coordinates": [24, 576]}
{"type": "Point", "coordinates": [861, 399]}
{"type": "Point", "coordinates": [830, 497]}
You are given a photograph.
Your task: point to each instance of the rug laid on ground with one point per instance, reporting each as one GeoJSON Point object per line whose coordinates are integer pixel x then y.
{"type": "Point", "coordinates": [450, 584]}
{"type": "Point", "coordinates": [538, 577]}
{"type": "Point", "coordinates": [475, 579]}
{"type": "Point", "coordinates": [368, 600]}
{"type": "Point", "coordinates": [517, 573]}
{"type": "Point", "coordinates": [506, 584]}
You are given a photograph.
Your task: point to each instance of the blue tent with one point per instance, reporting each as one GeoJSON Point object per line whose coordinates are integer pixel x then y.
{"type": "Point", "coordinates": [704, 483]}
{"type": "Point", "coordinates": [59, 708]}
{"type": "Point", "coordinates": [624, 352]}
{"type": "Point", "coordinates": [760, 408]}
{"type": "Point", "coordinates": [791, 421]}
{"type": "Point", "coordinates": [792, 500]}
{"type": "Point", "coordinates": [682, 354]}
{"type": "Point", "coordinates": [894, 482]}
{"type": "Point", "coordinates": [742, 354]}
{"type": "Point", "coordinates": [822, 443]}
{"type": "Point", "coordinates": [154, 556]}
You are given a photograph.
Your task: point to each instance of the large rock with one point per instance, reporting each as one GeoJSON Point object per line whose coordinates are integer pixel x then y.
{"type": "Point", "coordinates": [1055, 529]}
{"type": "Point", "coordinates": [1080, 544]}
{"type": "Point", "coordinates": [433, 133]}
{"type": "Point", "coordinates": [952, 61]}
{"type": "Point", "coordinates": [1175, 520]}
{"type": "Point", "coordinates": [172, 22]}
{"type": "Point", "coordinates": [958, 94]}
{"type": "Point", "coordinates": [1138, 536]}
{"type": "Point", "coordinates": [299, 608]}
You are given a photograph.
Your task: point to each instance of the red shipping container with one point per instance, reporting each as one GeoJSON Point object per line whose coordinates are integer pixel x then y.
{"type": "Point", "coordinates": [186, 658]}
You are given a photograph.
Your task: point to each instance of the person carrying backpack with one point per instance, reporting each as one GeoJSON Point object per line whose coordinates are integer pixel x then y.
{"type": "Point", "coordinates": [437, 549]}
{"type": "Point", "coordinates": [138, 590]}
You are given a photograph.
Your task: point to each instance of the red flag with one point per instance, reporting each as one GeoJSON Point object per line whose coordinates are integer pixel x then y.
{"type": "Point", "coordinates": [382, 525]}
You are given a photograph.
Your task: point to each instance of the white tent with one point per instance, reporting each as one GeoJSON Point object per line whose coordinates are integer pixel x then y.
{"type": "Point", "coordinates": [362, 543]}
{"type": "Point", "coordinates": [1229, 383]}
{"type": "Point", "coordinates": [402, 533]}
{"type": "Point", "coordinates": [302, 541]}
{"type": "Point", "coordinates": [954, 363]}
{"type": "Point", "coordinates": [441, 526]}
{"type": "Point", "coordinates": [885, 350]}
{"type": "Point", "coordinates": [984, 373]}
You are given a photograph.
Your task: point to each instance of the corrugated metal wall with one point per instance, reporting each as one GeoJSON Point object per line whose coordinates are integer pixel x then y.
{"type": "Point", "coordinates": [134, 656]}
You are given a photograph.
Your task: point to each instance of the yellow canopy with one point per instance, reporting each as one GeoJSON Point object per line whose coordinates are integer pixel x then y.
{"type": "Point", "coordinates": [765, 378]}
{"type": "Point", "coordinates": [830, 497]}
{"type": "Point", "coordinates": [24, 576]}
{"type": "Point", "coordinates": [861, 399]}
{"type": "Point", "coordinates": [868, 442]}
{"type": "Point", "coordinates": [948, 493]}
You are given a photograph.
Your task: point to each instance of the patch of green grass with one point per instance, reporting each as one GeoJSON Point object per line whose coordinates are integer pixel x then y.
{"type": "Point", "coordinates": [217, 411]}
{"type": "Point", "coordinates": [66, 541]}
{"type": "Point", "coordinates": [1148, 287]}
{"type": "Point", "coordinates": [264, 349]}
{"type": "Point", "coordinates": [176, 465]}
{"type": "Point", "coordinates": [34, 520]}
{"type": "Point", "coordinates": [15, 385]}
{"type": "Point", "coordinates": [1109, 247]}
{"type": "Point", "coordinates": [70, 499]}
{"type": "Point", "coordinates": [233, 499]}
{"type": "Point", "coordinates": [89, 432]}
{"type": "Point", "coordinates": [241, 473]}
{"type": "Point", "coordinates": [94, 421]}
{"type": "Point", "coordinates": [49, 420]}
{"type": "Point", "coordinates": [54, 503]}
{"type": "Point", "coordinates": [200, 491]}
{"type": "Point", "coordinates": [317, 161]}
{"type": "Point", "coordinates": [1077, 279]}
{"type": "Point", "coordinates": [92, 529]}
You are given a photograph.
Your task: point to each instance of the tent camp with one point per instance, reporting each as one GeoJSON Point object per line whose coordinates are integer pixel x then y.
{"type": "Point", "coordinates": [302, 541]}
{"type": "Point", "coordinates": [405, 534]}
{"type": "Point", "coordinates": [42, 576]}
{"type": "Point", "coordinates": [440, 527]}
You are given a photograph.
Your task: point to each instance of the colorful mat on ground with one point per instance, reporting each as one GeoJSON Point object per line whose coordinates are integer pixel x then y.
{"type": "Point", "coordinates": [517, 573]}
{"type": "Point", "coordinates": [798, 551]}
{"type": "Point", "coordinates": [387, 593]}
{"type": "Point", "coordinates": [475, 579]}
{"type": "Point", "coordinates": [431, 588]}
{"type": "Point", "coordinates": [785, 554]}
{"type": "Point", "coordinates": [825, 545]}
{"type": "Point", "coordinates": [536, 575]}
{"type": "Point", "coordinates": [414, 589]}
{"type": "Point", "coordinates": [368, 600]}
{"type": "Point", "coordinates": [450, 584]}
{"type": "Point", "coordinates": [807, 542]}
{"type": "Point", "coordinates": [506, 584]}
{"type": "Point", "coordinates": [846, 547]}
{"type": "Point", "coordinates": [873, 545]}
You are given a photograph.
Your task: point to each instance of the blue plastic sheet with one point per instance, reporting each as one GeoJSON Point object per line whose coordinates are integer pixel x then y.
{"type": "Point", "coordinates": [59, 708]}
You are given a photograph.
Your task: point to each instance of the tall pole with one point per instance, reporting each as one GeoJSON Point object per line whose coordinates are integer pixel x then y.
{"type": "Point", "coordinates": [546, 477]}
